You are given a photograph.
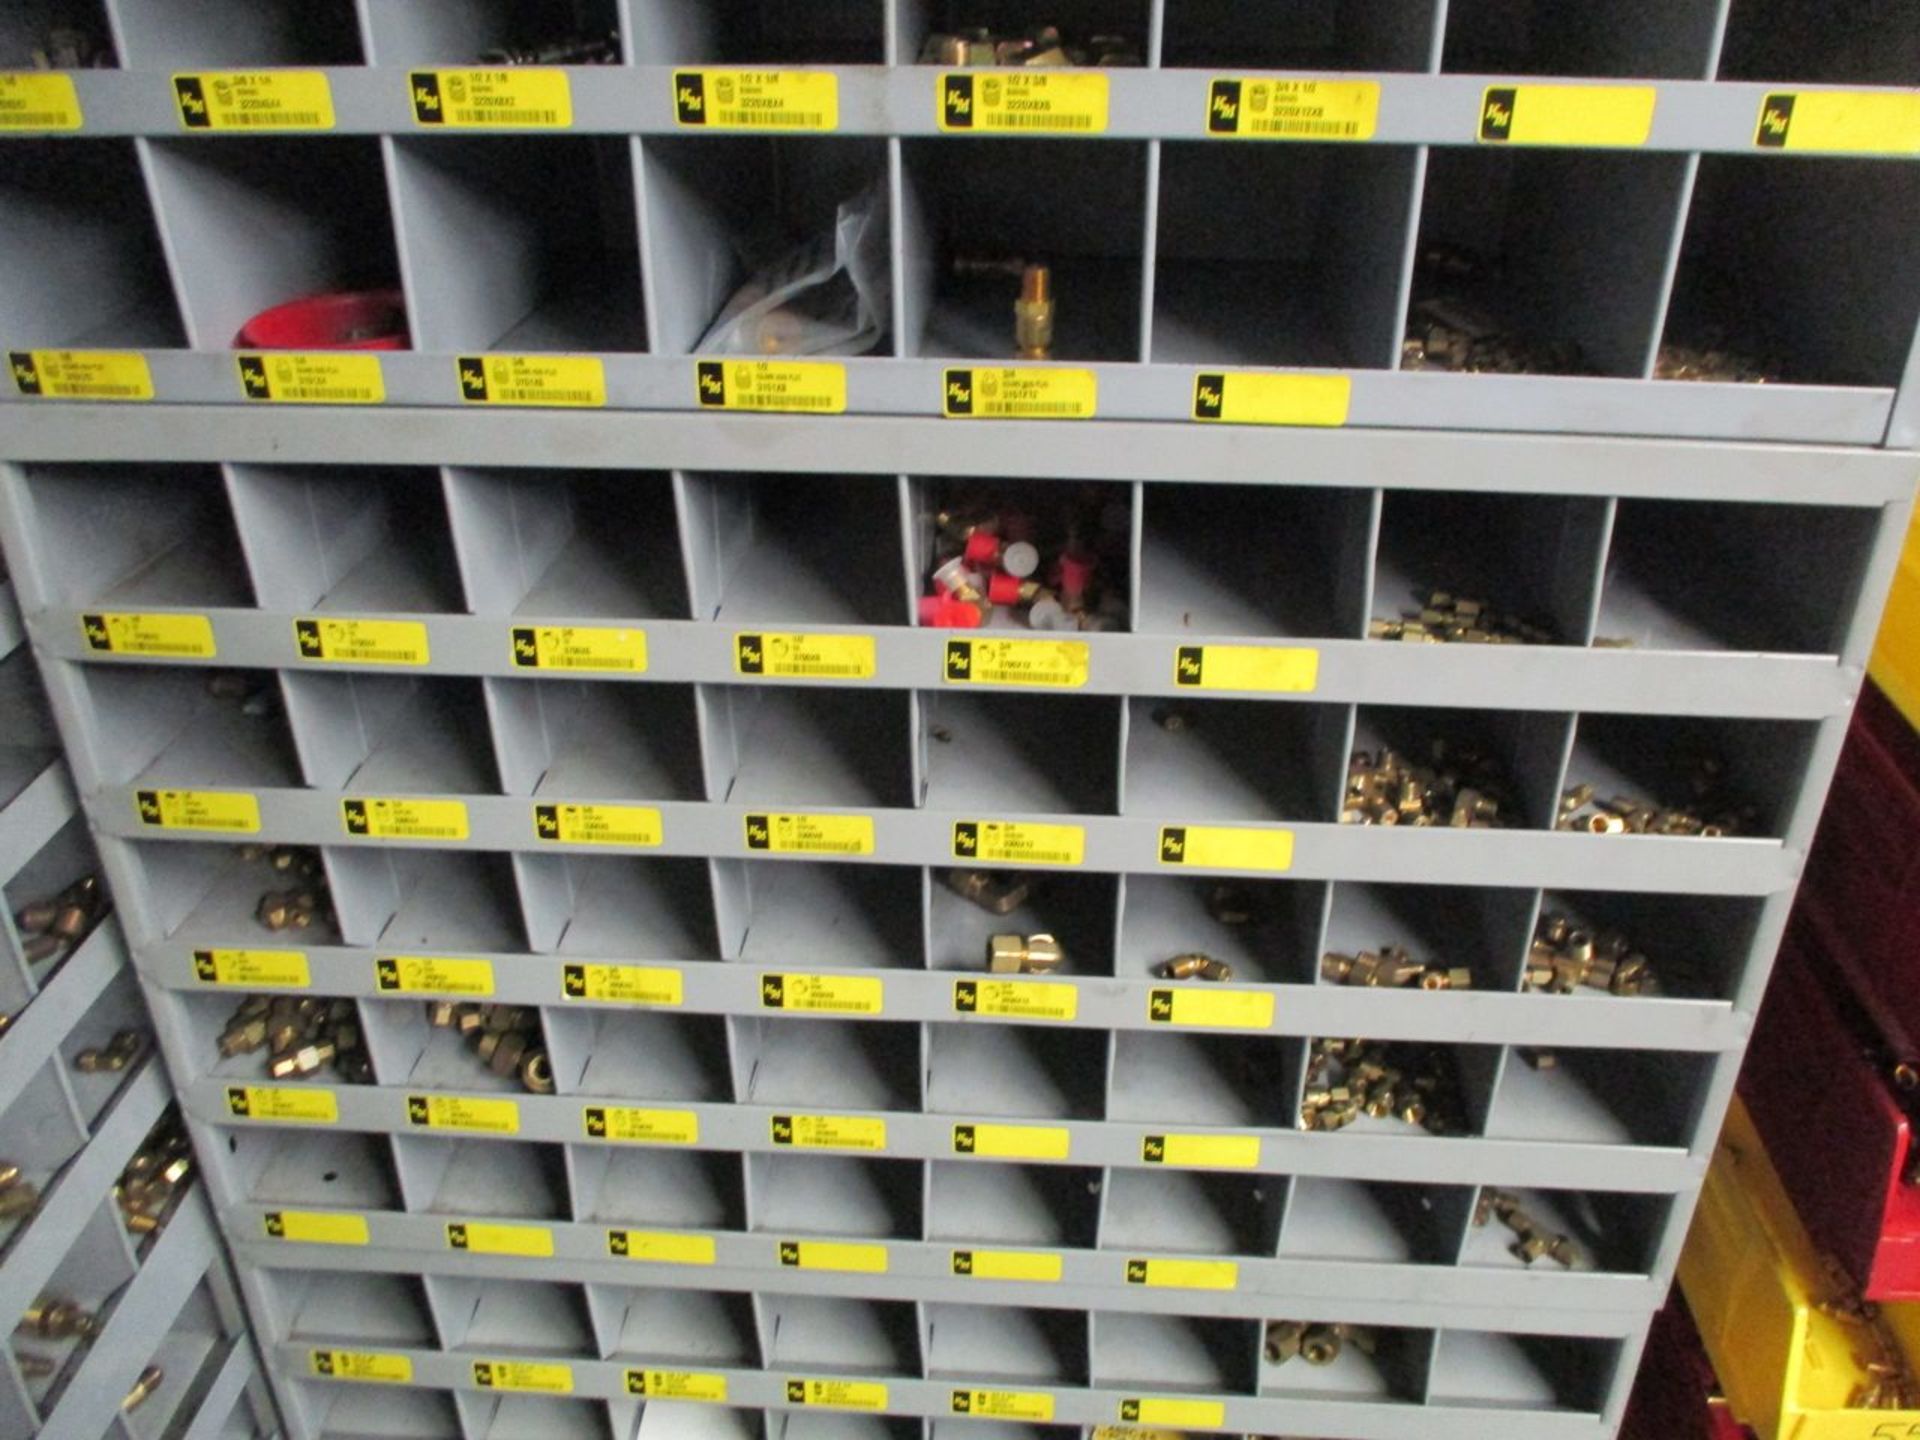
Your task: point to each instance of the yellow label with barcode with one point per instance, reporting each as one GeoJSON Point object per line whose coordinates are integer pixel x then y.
{"type": "Point", "coordinates": [1293, 108]}
{"type": "Point", "coordinates": [486, 1238]}
{"type": "Point", "coordinates": [361, 642]}
{"type": "Point", "coordinates": [362, 1365]}
{"type": "Point", "coordinates": [829, 1132]}
{"type": "Point", "coordinates": [459, 1112]}
{"type": "Point", "coordinates": [1048, 664]}
{"type": "Point", "coordinates": [635, 825]}
{"type": "Point", "coordinates": [698, 1385]}
{"type": "Point", "coordinates": [120, 632]}
{"type": "Point", "coordinates": [838, 1394]}
{"type": "Point", "coordinates": [543, 1376]}
{"type": "Point", "coordinates": [38, 100]}
{"type": "Point", "coordinates": [607, 648]}
{"type": "Point", "coordinates": [828, 1255]}
{"type": "Point", "coordinates": [560, 381]}
{"type": "Point", "coordinates": [1032, 1265]}
{"type": "Point", "coordinates": [283, 1102]}
{"type": "Point", "coordinates": [1226, 847]}
{"type": "Point", "coordinates": [80, 374]}
{"type": "Point", "coordinates": [1019, 842]}
{"type": "Point", "coordinates": [804, 387]}
{"type": "Point", "coordinates": [1206, 1006]}
{"type": "Point", "coordinates": [1247, 398]}
{"type": "Point", "coordinates": [520, 98]}
{"type": "Point", "coordinates": [783, 100]}
{"type": "Point", "coordinates": [1026, 102]}
{"type": "Point", "coordinates": [1019, 392]}
{"type": "Point", "coordinates": [1154, 1410]}
{"type": "Point", "coordinates": [810, 834]}
{"type": "Point", "coordinates": [254, 100]}
{"type": "Point", "coordinates": [1017, 999]}
{"type": "Point", "coordinates": [822, 994]}
{"type": "Point", "coordinates": [1183, 1274]}
{"type": "Point", "coordinates": [1585, 115]}
{"type": "Point", "coordinates": [1261, 669]}
{"type": "Point", "coordinates": [432, 975]}
{"type": "Point", "coordinates": [621, 984]}
{"type": "Point", "coordinates": [1013, 1142]}
{"type": "Point", "coordinates": [632, 1126]}
{"type": "Point", "coordinates": [1202, 1152]}
{"type": "Point", "coordinates": [255, 969]}
{"type": "Point", "coordinates": [1002, 1404]}
{"type": "Point", "coordinates": [1864, 122]}
{"type": "Point", "coordinates": [315, 1227]}
{"type": "Point", "coordinates": [804, 657]}
{"type": "Point", "coordinates": [389, 818]}
{"type": "Point", "coordinates": [286, 378]}
{"type": "Point", "coordinates": [660, 1249]}
{"type": "Point", "coordinates": [232, 811]}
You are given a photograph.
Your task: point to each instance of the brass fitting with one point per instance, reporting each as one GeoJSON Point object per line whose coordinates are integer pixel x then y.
{"type": "Point", "coordinates": [143, 1388]}
{"type": "Point", "coordinates": [1229, 904]}
{"type": "Point", "coordinates": [305, 1060]}
{"type": "Point", "coordinates": [1033, 314]}
{"type": "Point", "coordinates": [1024, 955]}
{"type": "Point", "coordinates": [1195, 967]}
{"type": "Point", "coordinates": [33, 1365]}
{"type": "Point", "coordinates": [997, 894]}
{"type": "Point", "coordinates": [536, 1071]}
{"type": "Point", "coordinates": [56, 1318]}
{"type": "Point", "coordinates": [1283, 1340]}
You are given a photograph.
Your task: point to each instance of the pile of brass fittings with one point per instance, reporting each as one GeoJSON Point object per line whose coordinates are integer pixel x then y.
{"type": "Point", "coordinates": [1315, 1344]}
{"type": "Point", "coordinates": [506, 1038]}
{"type": "Point", "coordinates": [1566, 956]}
{"type": "Point", "coordinates": [1706, 815]}
{"type": "Point", "coordinates": [1046, 570]}
{"type": "Point", "coordinates": [1445, 618]}
{"type": "Point", "coordinates": [306, 900]}
{"type": "Point", "coordinates": [117, 1054]}
{"type": "Point", "coordinates": [1711, 363]}
{"type": "Point", "coordinates": [1042, 46]}
{"type": "Point", "coordinates": [1532, 1240]}
{"type": "Point", "coordinates": [1448, 330]}
{"type": "Point", "coordinates": [1458, 786]}
{"type": "Point", "coordinates": [573, 50]}
{"type": "Point", "coordinates": [302, 1035]}
{"type": "Point", "coordinates": [1194, 967]}
{"type": "Point", "coordinates": [1392, 966]}
{"type": "Point", "coordinates": [65, 48]}
{"type": "Point", "coordinates": [143, 1388]}
{"type": "Point", "coordinates": [155, 1179]}
{"type": "Point", "coordinates": [1033, 305]}
{"type": "Point", "coordinates": [1890, 1383]}
{"type": "Point", "coordinates": [18, 1195]}
{"type": "Point", "coordinates": [51, 927]}
{"type": "Point", "coordinates": [1403, 1079]}
{"type": "Point", "coordinates": [994, 891]}
{"type": "Point", "coordinates": [1024, 955]}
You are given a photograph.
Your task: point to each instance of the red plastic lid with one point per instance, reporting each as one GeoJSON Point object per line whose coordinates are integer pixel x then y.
{"type": "Point", "coordinates": [343, 320]}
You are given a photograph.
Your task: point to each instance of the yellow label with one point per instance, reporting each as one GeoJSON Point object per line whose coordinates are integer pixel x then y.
{"type": "Point", "coordinates": [1183, 1274]}
{"type": "Point", "coordinates": [1246, 398]}
{"type": "Point", "coordinates": [1202, 1152]}
{"type": "Point", "coordinates": [361, 642]}
{"type": "Point", "coordinates": [828, 994]}
{"type": "Point", "coordinates": [810, 834]}
{"type": "Point", "coordinates": [1002, 1404]}
{"type": "Point", "coordinates": [385, 818]}
{"type": "Point", "coordinates": [838, 1394]}
{"type": "Point", "coordinates": [629, 1126]}
{"type": "Point", "coordinates": [1222, 847]}
{"type": "Point", "coordinates": [336, 378]}
{"type": "Point", "coordinates": [521, 98]}
{"type": "Point", "coordinates": [432, 975]}
{"type": "Point", "coordinates": [804, 657]}
{"type": "Point", "coordinates": [1046, 101]}
{"type": "Point", "coordinates": [1013, 1142]}
{"type": "Point", "coordinates": [678, 1385]}
{"type": "Point", "coordinates": [1266, 669]}
{"type": "Point", "coordinates": [660, 1249]}
{"type": "Point", "coordinates": [283, 1102]}
{"type": "Point", "coordinates": [81, 374]}
{"type": "Point", "coordinates": [545, 1376]}
{"type": "Point", "coordinates": [809, 387]}
{"type": "Point", "coordinates": [623, 984]}
{"type": "Point", "coordinates": [1026, 392]}
{"type": "Point", "coordinates": [826, 1255]}
{"type": "Point", "coordinates": [38, 100]}
{"type": "Point", "coordinates": [363, 1365]}
{"type": "Point", "coordinates": [255, 969]}
{"type": "Point", "coordinates": [1858, 121]}
{"type": "Point", "coordinates": [123, 633]}
{"type": "Point", "coordinates": [579, 647]}
{"type": "Point", "coordinates": [636, 825]}
{"type": "Point", "coordinates": [1567, 114]}
{"type": "Point", "coordinates": [786, 100]}
{"type": "Point", "coordinates": [1285, 108]}
{"type": "Point", "coordinates": [1204, 1005]}
{"type": "Point", "coordinates": [1017, 842]}
{"type": "Point", "coordinates": [233, 811]}
{"type": "Point", "coordinates": [477, 1238]}
{"type": "Point", "coordinates": [550, 380]}
{"type": "Point", "coordinates": [254, 100]}
{"type": "Point", "coordinates": [1056, 664]}
{"type": "Point", "coordinates": [1152, 1410]}
{"type": "Point", "coordinates": [1035, 1265]}
{"type": "Point", "coordinates": [457, 1112]}
{"type": "Point", "coordinates": [829, 1132]}
{"type": "Point", "coordinates": [1017, 999]}
{"type": "Point", "coordinates": [315, 1227]}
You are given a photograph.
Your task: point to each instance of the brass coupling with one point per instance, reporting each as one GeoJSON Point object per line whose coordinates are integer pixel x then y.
{"type": "Point", "coordinates": [143, 1388]}
{"type": "Point", "coordinates": [152, 1182]}
{"type": "Point", "coordinates": [1024, 955]}
{"type": "Point", "coordinates": [1315, 1343]}
{"type": "Point", "coordinates": [1444, 618]}
{"type": "Point", "coordinates": [302, 1035]}
{"type": "Point", "coordinates": [117, 1054]}
{"type": "Point", "coordinates": [505, 1038]}
{"type": "Point", "coordinates": [51, 926]}
{"type": "Point", "coordinates": [1195, 967]}
{"type": "Point", "coordinates": [1392, 966]}
{"type": "Point", "coordinates": [1566, 957]}
{"type": "Point", "coordinates": [1458, 786]}
{"type": "Point", "coordinates": [1708, 813]}
{"type": "Point", "coordinates": [53, 1317]}
{"type": "Point", "coordinates": [1532, 1241]}
{"type": "Point", "coordinates": [1403, 1080]}
{"type": "Point", "coordinates": [994, 892]}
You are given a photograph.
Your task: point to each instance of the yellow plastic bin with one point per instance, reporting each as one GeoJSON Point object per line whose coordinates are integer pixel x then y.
{"type": "Point", "coordinates": [1895, 666]}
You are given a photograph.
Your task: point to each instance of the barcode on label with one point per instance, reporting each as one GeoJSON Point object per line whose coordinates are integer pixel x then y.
{"type": "Point", "coordinates": [768, 120]}
{"type": "Point", "coordinates": [135, 391]}
{"type": "Point", "coordinates": [326, 392]}
{"type": "Point", "coordinates": [533, 395]}
{"type": "Point", "coordinates": [38, 119]}
{"type": "Point", "coordinates": [1042, 122]}
{"type": "Point", "coordinates": [284, 119]}
{"type": "Point", "coordinates": [392, 657]}
{"type": "Point", "coordinates": [807, 402]}
{"type": "Point", "coordinates": [1337, 129]}
{"type": "Point", "coordinates": [1033, 407]}
{"type": "Point", "coordinates": [484, 110]}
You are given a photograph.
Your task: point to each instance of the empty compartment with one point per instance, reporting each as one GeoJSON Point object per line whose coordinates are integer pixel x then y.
{"type": "Point", "coordinates": [1000, 1204]}
{"type": "Point", "coordinates": [1374, 1222]}
{"type": "Point", "coordinates": [1026, 1073]}
{"type": "Point", "coordinates": [561, 266]}
{"type": "Point", "coordinates": [1281, 254]}
{"type": "Point", "coordinates": [1744, 285]}
{"type": "Point", "coordinates": [1174, 1352]}
{"type": "Point", "coordinates": [353, 1309]}
{"type": "Point", "coordinates": [63, 875]}
{"type": "Point", "coordinates": [1160, 1077]}
{"type": "Point", "coordinates": [1404, 1088]}
{"type": "Point", "coordinates": [478, 1179]}
{"type": "Point", "coordinates": [92, 1275]}
{"type": "Point", "coordinates": [493, 32]}
{"type": "Point", "coordinates": [790, 1194]}
{"type": "Point", "coordinates": [1300, 35]}
{"type": "Point", "coordinates": [1268, 931]}
{"type": "Point", "coordinates": [730, 216]}
{"type": "Point", "coordinates": [1602, 1230]}
{"type": "Point", "coordinates": [1233, 759]}
{"type": "Point", "coordinates": [814, 1334]}
{"type": "Point", "coordinates": [569, 544]}
{"type": "Point", "coordinates": [107, 1045]}
{"type": "Point", "coordinates": [285, 1038]}
{"type": "Point", "coordinates": [966, 229]}
{"type": "Point", "coordinates": [998, 1343]}
{"type": "Point", "coordinates": [188, 1357]}
{"type": "Point", "coordinates": [30, 36]}
{"type": "Point", "coordinates": [1372, 1363]}
{"type": "Point", "coordinates": [1077, 909]}
{"type": "Point", "coordinates": [1026, 754]}
{"type": "Point", "coordinates": [1542, 261]}
{"type": "Point", "coordinates": [384, 1412]}
{"type": "Point", "coordinates": [821, 915]}
{"type": "Point", "coordinates": [1522, 1372]}
{"type": "Point", "coordinates": [753, 32]}
{"type": "Point", "coordinates": [835, 1064]}
{"type": "Point", "coordinates": [618, 906]}
{"type": "Point", "coordinates": [392, 733]}
{"type": "Point", "coordinates": [164, 34]}
{"type": "Point", "coordinates": [409, 1049]}
{"type": "Point", "coordinates": [1192, 1212]}
{"type": "Point", "coordinates": [642, 1056]}
{"type": "Point", "coordinates": [251, 227]}
{"type": "Point", "coordinates": [414, 901]}
{"type": "Point", "coordinates": [781, 745]}
{"type": "Point", "coordinates": [557, 740]}
{"type": "Point", "coordinates": [514, 1316]}
{"type": "Point", "coordinates": [301, 1168]}
{"type": "Point", "coordinates": [798, 1425]}
{"type": "Point", "coordinates": [28, 742]}
{"type": "Point", "coordinates": [80, 256]}
{"type": "Point", "coordinates": [1600, 1097]}
{"type": "Point", "coordinates": [1077, 20]}
{"type": "Point", "coordinates": [676, 1327]}
{"type": "Point", "coordinates": [694, 1189]}
{"type": "Point", "coordinates": [344, 540]}
{"type": "Point", "coordinates": [1805, 40]}
{"type": "Point", "coordinates": [1443, 927]}
{"type": "Point", "coordinates": [1509, 757]}
{"type": "Point", "coordinates": [1652, 39]}
{"type": "Point", "coordinates": [489, 1416]}
{"type": "Point", "coordinates": [1696, 946]}
{"type": "Point", "coordinates": [1738, 777]}
{"type": "Point", "coordinates": [39, 1132]}
{"type": "Point", "coordinates": [156, 726]}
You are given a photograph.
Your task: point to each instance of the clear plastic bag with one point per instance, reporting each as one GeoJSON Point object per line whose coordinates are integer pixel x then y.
{"type": "Point", "coordinates": [830, 296]}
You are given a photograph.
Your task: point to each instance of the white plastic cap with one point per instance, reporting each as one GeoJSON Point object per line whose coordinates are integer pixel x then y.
{"type": "Point", "coordinates": [1020, 559]}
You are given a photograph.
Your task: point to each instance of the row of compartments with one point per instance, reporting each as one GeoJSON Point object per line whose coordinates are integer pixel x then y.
{"type": "Point", "coordinates": [1174, 252]}
{"type": "Point", "coordinates": [791, 550]}
{"type": "Point", "coordinates": [1766, 40]}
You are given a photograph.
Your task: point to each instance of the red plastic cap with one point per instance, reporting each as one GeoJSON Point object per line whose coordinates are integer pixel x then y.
{"type": "Point", "coordinates": [946, 613]}
{"type": "Point", "coordinates": [983, 548]}
{"type": "Point", "coordinates": [345, 320]}
{"type": "Point", "coordinates": [1076, 572]}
